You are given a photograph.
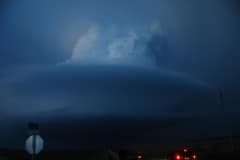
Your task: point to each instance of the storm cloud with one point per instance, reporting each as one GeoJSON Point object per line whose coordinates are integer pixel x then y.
{"type": "Point", "coordinates": [144, 47]}
{"type": "Point", "coordinates": [151, 58]}
{"type": "Point", "coordinates": [110, 90]}
{"type": "Point", "coordinates": [103, 101]}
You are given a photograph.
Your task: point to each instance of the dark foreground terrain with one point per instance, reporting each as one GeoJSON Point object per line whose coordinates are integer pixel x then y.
{"type": "Point", "coordinates": [213, 149]}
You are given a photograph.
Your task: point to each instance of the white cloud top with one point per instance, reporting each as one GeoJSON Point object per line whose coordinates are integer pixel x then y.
{"type": "Point", "coordinates": [101, 46]}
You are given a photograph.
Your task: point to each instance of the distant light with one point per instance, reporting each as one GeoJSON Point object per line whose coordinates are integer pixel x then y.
{"type": "Point", "coordinates": [185, 150]}
{"type": "Point", "coordinates": [178, 157]}
{"type": "Point", "coordinates": [194, 156]}
{"type": "Point", "coordinates": [139, 157]}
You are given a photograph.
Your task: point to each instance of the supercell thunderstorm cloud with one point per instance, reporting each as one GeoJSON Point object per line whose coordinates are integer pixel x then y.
{"type": "Point", "coordinates": [97, 68]}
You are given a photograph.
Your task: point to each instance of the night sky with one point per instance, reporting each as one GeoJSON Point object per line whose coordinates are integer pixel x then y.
{"type": "Point", "coordinates": [116, 72]}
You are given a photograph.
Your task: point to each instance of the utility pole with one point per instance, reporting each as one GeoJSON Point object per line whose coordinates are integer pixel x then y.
{"type": "Point", "coordinates": [222, 103]}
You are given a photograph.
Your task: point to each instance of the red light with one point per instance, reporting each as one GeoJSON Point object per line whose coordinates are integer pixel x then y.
{"type": "Point", "coordinates": [139, 157]}
{"type": "Point", "coordinates": [178, 157]}
{"type": "Point", "coordinates": [185, 150]}
{"type": "Point", "coordinates": [194, 156]}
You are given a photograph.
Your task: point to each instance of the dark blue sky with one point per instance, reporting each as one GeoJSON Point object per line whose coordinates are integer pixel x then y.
{"type": "Point", "coordinates": [150, 62]}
